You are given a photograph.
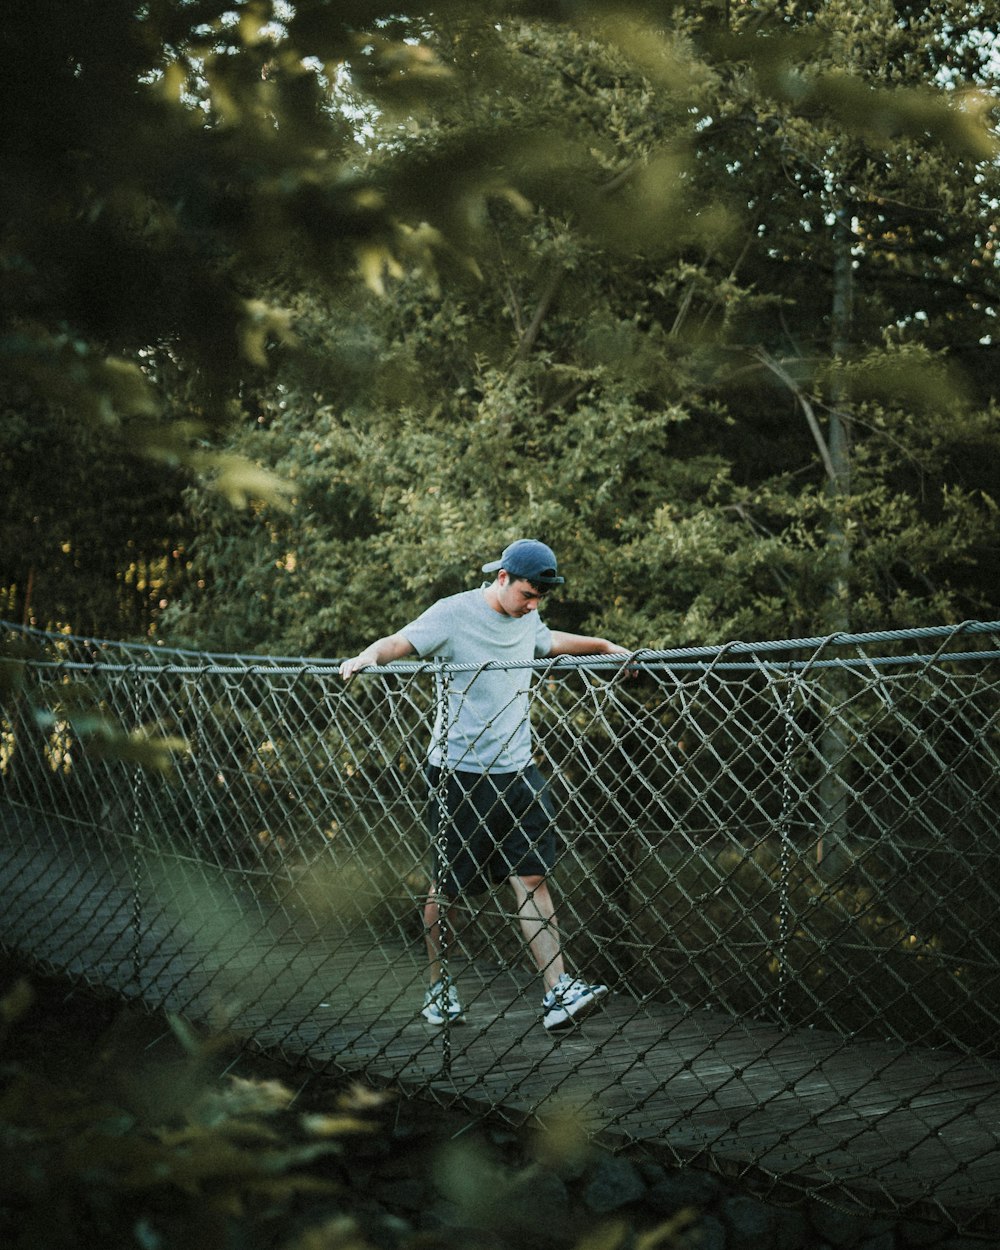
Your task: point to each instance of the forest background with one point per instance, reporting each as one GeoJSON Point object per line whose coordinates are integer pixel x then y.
{"type": "Point", "coordinates": [309, 309]}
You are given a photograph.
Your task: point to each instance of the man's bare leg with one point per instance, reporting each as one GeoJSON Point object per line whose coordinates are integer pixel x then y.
{"type": "Point", "coordinates": [537, 918]}
{"type": "Point", "coordinates": [437, 934]}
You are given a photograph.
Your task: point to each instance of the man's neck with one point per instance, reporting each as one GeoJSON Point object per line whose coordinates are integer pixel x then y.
{"type": "Point", "coordinates": [490, 595]}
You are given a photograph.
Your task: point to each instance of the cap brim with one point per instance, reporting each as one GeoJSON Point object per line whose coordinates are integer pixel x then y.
{"type": "Point", "coordinates": [494, 566]}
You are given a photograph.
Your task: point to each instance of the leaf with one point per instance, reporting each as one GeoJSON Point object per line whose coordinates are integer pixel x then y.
{"type": "Point", "coordinates": [243, 1097]}
{"type": "Point", "coordinates": [319, 1125]}
{"type": "Point", "coordinates": [241, 482]}
{"type": "Point", "coordinates": [184, 1033]}
{"type": "Point", "coordinates": [129, 390]}
{"type": "Point", "coordinates": [609, 1236]}
{"type": "Point", "coordinates": [17, 1001]}
{"type": "Point", "coordinates": [360, 1098]}
{"type": "Point", "coordinates": [375, 263]}
{"type": "Point", "coordinates": [920, 113]}
{"type": "Point", "coordinates": [261, 324]}
{"type": "Point", "coordinates": [149, 750]}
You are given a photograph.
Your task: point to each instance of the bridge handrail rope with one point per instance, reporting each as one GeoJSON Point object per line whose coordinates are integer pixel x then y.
{"type": "Point", "coordinates": [641, 661]}
{"type": "Point", "coordinates": [236, 661]}
{"type": "Point", "coordinates": [763, 842]}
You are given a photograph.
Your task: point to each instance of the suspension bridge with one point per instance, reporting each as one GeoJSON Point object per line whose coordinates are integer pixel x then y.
{"type": "Point", "coordinates": [782, 857]}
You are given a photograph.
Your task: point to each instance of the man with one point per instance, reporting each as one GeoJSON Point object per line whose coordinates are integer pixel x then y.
{"type": "Point", "coordinates": [491, 818]}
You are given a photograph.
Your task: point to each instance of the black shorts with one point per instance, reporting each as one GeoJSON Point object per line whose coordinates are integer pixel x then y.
{"type": "Point", "coordinates": [495, 826]}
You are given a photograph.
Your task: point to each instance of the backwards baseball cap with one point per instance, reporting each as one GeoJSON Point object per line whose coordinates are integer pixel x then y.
{"type": "Point", "coordinates": [528, 559]}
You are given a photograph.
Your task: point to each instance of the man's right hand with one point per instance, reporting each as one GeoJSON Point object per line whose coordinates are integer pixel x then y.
{"type": "Point", "coordinates": [350, 667]}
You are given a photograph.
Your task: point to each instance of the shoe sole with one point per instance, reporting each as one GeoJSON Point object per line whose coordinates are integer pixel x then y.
{"type": "Point", "coordinates": [440, 1023]}
{"type": "Point", "coordinates": [580, 1014]}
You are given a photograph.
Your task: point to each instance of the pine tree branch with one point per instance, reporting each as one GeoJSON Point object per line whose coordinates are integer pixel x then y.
{"type": "Point", "coordinates": [529, 336]}
{"type": "Point", "coordinates": [808, 411]}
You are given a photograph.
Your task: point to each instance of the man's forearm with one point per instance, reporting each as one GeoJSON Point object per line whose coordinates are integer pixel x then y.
{"type": "Point", "coordinates": [583, 644]}
{"type": "Point", "coordinates": [383, 651]}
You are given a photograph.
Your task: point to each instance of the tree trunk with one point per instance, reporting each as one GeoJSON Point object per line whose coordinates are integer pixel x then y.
{"type": "Point", "coordinates": [832, 823]}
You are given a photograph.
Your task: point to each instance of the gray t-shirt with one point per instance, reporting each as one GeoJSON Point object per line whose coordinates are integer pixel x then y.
{"type": "Point", "coordinates": [486, 723]}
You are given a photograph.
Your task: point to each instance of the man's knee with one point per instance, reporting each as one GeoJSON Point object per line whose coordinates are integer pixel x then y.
{"type": "Point", "coordinates": [533, 886]}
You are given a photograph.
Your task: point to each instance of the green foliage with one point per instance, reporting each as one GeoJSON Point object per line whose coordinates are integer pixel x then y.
{"type": "Point", "coordinates": [113, 1132]}
{"type": "Point", "coordinates": [124, 1151]}
{"type": "Point", "coordinates": [644, 373]}
{"type": "Point", "coordinates": [164, 167]}
{"type": "Point", "coordinates": [66, 722]}
{"type": "Point", "coordinates": [604, 275]}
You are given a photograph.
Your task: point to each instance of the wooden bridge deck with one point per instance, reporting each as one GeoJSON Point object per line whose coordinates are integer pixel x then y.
{"type": "Point", "coordinates": [864, 1122]}
{"type": "Point", "coordinates": [869, 1123]}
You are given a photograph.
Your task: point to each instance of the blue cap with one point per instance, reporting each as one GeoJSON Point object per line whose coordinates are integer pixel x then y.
{"type": "Point", "coordinates": [528, 559]}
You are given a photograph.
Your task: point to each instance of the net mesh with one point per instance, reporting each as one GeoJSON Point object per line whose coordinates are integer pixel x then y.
{"type": "Point", "coordinates": [760, 844]}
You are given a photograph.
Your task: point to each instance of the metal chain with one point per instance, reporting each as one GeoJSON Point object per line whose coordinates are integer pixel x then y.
{"type": "Point", "coordinates": [786, 850]}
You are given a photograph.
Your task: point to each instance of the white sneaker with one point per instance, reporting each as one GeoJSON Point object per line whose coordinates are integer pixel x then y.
{"type": "Point", "coordinates": [569, 1001]}
{"type": "Point", "coordinates": [442, 1005]}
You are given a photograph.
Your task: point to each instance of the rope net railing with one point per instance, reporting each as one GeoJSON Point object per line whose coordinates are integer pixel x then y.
{"type": "Point", "coordinates": [760, 842]}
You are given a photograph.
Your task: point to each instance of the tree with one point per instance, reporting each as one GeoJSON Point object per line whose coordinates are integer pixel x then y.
{"type": "Point", "coordinates": [169, 169]}
{"type": "Point", "coordinates": [597, 230]}
{"type": "Point", "coordinates": [90, 532]}
{"type": "Point", "coordinates": [645, 371]}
